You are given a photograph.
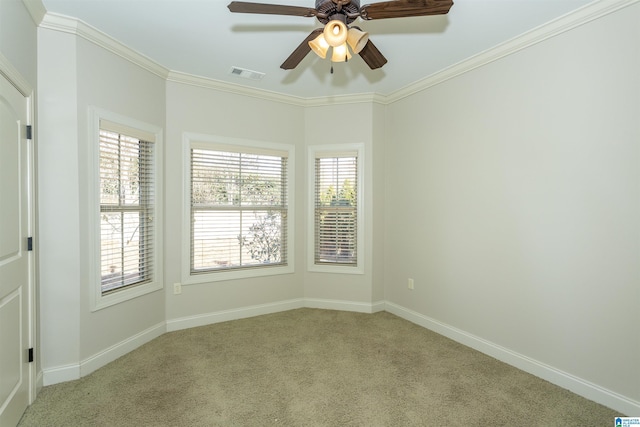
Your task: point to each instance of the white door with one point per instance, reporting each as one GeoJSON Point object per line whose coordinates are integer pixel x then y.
{"type": "Point", "coordinates": [14, 258]}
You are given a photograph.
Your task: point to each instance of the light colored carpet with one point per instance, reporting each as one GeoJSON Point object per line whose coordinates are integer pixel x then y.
{"type": "Point", "coordinates": [310, 367]}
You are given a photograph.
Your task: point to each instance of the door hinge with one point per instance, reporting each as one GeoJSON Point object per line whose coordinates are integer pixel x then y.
{"type": "Point", "coordinates": [29, 132]}
{"type": "Point", "coordinates": [30, 355]}
{"type": "Point", "coordinates": [29, 243]}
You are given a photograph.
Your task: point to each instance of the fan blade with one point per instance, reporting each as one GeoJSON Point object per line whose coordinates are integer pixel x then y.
{"type": "Point", "coordinates": [404, 8]}
{"type": "Point", "coordinates": [372, 56]}
{"type": "Point", "coordinates": [270, 9]}
{"type": "Point", "coordinates": [300, 52]}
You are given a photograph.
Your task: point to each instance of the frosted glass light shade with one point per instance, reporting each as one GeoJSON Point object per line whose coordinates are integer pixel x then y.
{"type": "Point", "coordinates": [335, 32]}
{"type": "Point", "coordinates": [320, 46]}
{"type": "Point", "coordinates": [357, 39]}
{"type": "Point", "coordinates": [341, 53]}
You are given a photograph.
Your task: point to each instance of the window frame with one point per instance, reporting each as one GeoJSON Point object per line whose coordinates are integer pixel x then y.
{"type": "Point", "coordinates": [143, 131]}
{"type": "Point", "coordinates": [214, 142]}
{"type": "Point", "coordinates": [340, 150]}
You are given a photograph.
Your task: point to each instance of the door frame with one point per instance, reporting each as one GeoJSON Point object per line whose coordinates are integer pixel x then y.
{"type": "Point", "coordinates": [8, 71]}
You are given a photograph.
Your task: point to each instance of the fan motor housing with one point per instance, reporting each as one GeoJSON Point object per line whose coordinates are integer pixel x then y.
{"type": "Point", "coordinates": [329, 8]}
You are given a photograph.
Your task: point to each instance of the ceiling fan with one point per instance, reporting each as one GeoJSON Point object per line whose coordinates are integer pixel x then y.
{"type": "Point", "coordinates": [337, 15]}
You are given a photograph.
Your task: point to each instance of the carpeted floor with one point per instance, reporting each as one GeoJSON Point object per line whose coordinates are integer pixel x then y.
{"type": "Point", "coordinates": [310, 367]}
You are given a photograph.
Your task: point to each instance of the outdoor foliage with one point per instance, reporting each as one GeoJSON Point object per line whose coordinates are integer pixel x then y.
{"type": "Point", "coordinates": [336, 225]}
{"type": "Point", "coordinates": [346, 196]}
{"type": "Point", "coordinates": [263, 239]}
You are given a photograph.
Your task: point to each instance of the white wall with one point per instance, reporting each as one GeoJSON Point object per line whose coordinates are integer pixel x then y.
{"type": "Point", "coordinates": [74, 74]}
{"type": "Point", "coordinates": [112, 83]}
{"type": "Point", "coordinates": [512, 200]}
{"type": "Point", "coordinates": [58, 201]}
{"type": "Point", "coordinates": [200, 110]}
{"type": "Point", "coordinates": [377, 194]}
{"type": "Point", "coordinates": [343, 124]}
{"type": "Point", "coordinates": [18, 38]}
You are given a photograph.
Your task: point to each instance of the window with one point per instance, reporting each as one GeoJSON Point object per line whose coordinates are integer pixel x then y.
{"type": "Point", "coordinates": [239, 210]}
{"type": "Point", "coordinates": [126, 210]}
{"type": "Point", "coordinates": [127, 214]}
{"type": "Point", "coordinates": [336, 208]}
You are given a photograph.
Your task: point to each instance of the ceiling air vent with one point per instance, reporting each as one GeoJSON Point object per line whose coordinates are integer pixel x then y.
{"type": "Point", "coordinates": [247, 74]}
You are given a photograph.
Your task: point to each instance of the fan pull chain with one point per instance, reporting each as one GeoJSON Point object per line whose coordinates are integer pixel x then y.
{"type": "Point", "coordinates": [332, 68]}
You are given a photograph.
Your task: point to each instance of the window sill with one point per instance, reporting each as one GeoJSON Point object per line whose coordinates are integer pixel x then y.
{"type": "Point", "coordinates": [222, 275]}
{"type": "Point", "coordinates": [336, 269]}
{"type": "Point", "coordinates": [116, 297]}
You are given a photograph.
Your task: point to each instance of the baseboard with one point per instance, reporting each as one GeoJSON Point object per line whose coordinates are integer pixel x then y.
{"type": "Point", "coordinates": [234, 314]}
{"type": "Point", "coordinates": [60, 374]}
{"type": "Point", "coordinates": [558, 377]}
{"type": "Point", "coordinates": [358, 307]}
{"type": "Point", "coordinates": [258, 310]}
{"type": "Point", "coordinates": [378, 306]}
{"type": "Point", "coordinates": [72, 372]}
{"type": "Point", "coordinates": [110, 354]}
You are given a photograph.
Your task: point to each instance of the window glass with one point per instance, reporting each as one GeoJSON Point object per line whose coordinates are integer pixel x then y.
{"type": "Point", "coordinates": [336, 210]}
{"type": "Point", "coordinates": [126, 210]}
{"type": "Point", "coordinates": [238, 209]}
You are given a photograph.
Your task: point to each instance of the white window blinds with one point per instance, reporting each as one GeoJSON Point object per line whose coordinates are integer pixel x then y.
{"type": "Point", "coordinates": [126, 207]}
{"type": "Point", "coordinates": [238, 209]}
{"type": "Point", "coordinates": [336, 209]}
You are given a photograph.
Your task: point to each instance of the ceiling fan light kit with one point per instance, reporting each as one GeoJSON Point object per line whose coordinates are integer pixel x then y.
{"type": "Point", "coordinates": [335, 33]}
{"type": "Point", "coordinates": [336, 15]}
{"type": "Point", "coordinates": [319, 46]}
{"type": "Point", "coordinates": [357, 39]}
{"type": "Point", "coordinates": [338, 36]}
{"type": "Point", "coordinates": [340, 53]}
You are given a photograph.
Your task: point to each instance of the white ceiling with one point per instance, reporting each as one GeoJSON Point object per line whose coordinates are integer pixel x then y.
{"type": "Point", "coordinates": [201, 37]}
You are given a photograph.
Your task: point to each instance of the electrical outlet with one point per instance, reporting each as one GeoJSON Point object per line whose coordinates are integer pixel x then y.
{"type": "Point", "coordinates": [410, 284]}
{"type": "Point", "coordinates": [177, 288]}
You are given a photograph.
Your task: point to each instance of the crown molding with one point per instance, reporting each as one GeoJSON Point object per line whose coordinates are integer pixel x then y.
{"type": "Point", "coordinates": [207, 83]}
{"type": "Point", "coordinates": [585, 14]}
{"type": "Point", "coordinates": [13, 75]}
{"type": "Point", "coordinates": [66, 24]}
{"type": "Point", "coordinates": [36, 9]}
{"type": "Point", "coordinates": [581, 16]}
{"type": "Point", "coordinates": [357, 98]}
